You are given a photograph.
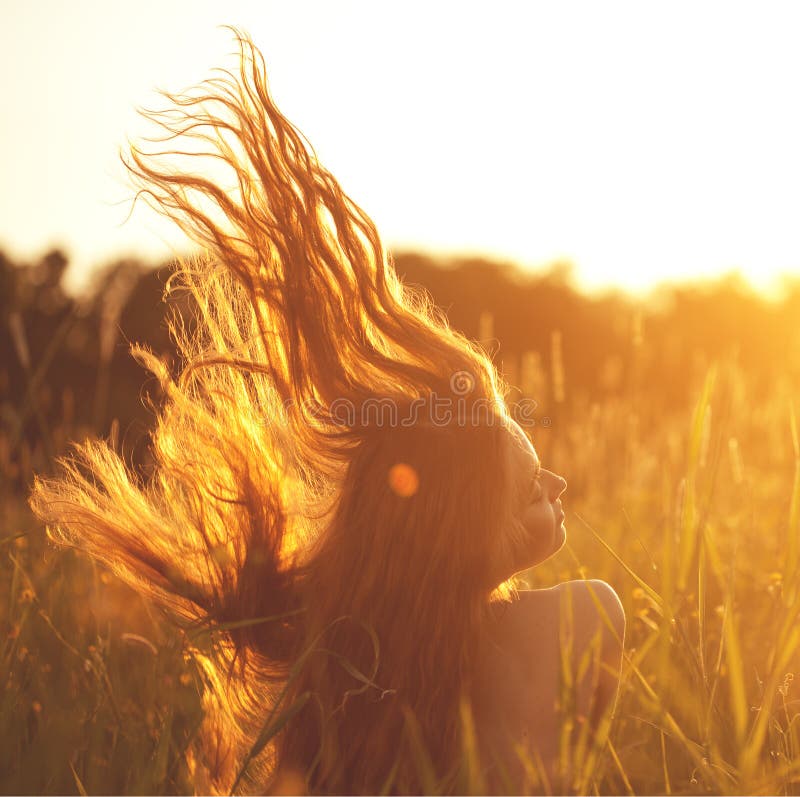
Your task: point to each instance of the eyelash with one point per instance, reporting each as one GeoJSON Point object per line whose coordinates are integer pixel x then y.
{"type": "Point", "coordinates": [536, 488]}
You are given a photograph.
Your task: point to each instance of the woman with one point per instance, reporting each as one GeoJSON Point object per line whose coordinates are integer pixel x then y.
{"type": "Point", "coordinates": [339, 500]}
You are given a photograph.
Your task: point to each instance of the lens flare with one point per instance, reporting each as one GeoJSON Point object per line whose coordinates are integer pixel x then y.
{"type": "Point", "coordinates": [403, 480]}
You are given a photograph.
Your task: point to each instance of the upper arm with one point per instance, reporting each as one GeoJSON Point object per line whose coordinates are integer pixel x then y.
{"type": "Point", "coordinates": [592, 629]}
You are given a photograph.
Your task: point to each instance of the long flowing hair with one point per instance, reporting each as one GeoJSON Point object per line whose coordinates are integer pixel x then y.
{"type": "Point", "coordinates": [325, 519]}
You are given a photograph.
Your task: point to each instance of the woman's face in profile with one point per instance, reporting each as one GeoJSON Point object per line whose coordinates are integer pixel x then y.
{"type": "Point", "coordinates": [536, 494]}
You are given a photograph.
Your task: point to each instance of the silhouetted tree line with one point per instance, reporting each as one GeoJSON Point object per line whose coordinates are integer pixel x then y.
{"type": "Point", "coordinates": [66, 369]}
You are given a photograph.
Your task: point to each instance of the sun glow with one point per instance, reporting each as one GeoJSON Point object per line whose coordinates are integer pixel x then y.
{"type": "Point", "coordinates": [534, 134]}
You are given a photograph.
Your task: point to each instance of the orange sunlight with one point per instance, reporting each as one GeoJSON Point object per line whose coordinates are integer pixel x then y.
{"type": "Point", "coordinates": [639, 144]}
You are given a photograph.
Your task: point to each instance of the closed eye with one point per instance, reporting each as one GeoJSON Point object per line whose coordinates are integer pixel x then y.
{"type": "Point", "coordinates": [536, 491]}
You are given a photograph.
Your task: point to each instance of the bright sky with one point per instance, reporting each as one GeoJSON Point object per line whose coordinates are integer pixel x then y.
{"type": "Point", "coordinates": [640, 141]}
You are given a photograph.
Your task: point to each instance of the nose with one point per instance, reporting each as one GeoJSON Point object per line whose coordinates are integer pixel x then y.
{"type": "Point", "coordinates": [557, 485]}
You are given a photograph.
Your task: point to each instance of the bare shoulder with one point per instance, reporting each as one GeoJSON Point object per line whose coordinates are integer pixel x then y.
{"type": "Point", "coordinates": [532, 606]}
{"type": "Point", "coordinates": [588, 605]}
{"type": "Point", "coordinates": [592, 604]}
{"type": "Point", "coordinates": [583, 594]}
{"type": "Point", "coordinates": [528, 621]}
{"type": "Point", "coordinates": [594, 632]}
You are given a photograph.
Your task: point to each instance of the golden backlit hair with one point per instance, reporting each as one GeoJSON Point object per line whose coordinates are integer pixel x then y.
{"type": "Point", "coordinates": [331, 567]}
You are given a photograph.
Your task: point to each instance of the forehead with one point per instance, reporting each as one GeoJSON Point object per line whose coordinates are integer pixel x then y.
{"type": "Point", "coordinates": [521, 449]}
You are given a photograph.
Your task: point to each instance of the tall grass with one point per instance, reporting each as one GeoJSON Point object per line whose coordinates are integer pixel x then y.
{"type": "Point", "coordinates": [692, 517]}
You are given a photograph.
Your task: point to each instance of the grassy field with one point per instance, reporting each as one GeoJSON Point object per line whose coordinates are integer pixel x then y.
{"type": "Point", "coordinates": [691, 514]}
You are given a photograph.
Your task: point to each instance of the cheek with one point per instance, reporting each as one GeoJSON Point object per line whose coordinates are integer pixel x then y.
{"type": "Point", "coordinates": [539, 522]}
